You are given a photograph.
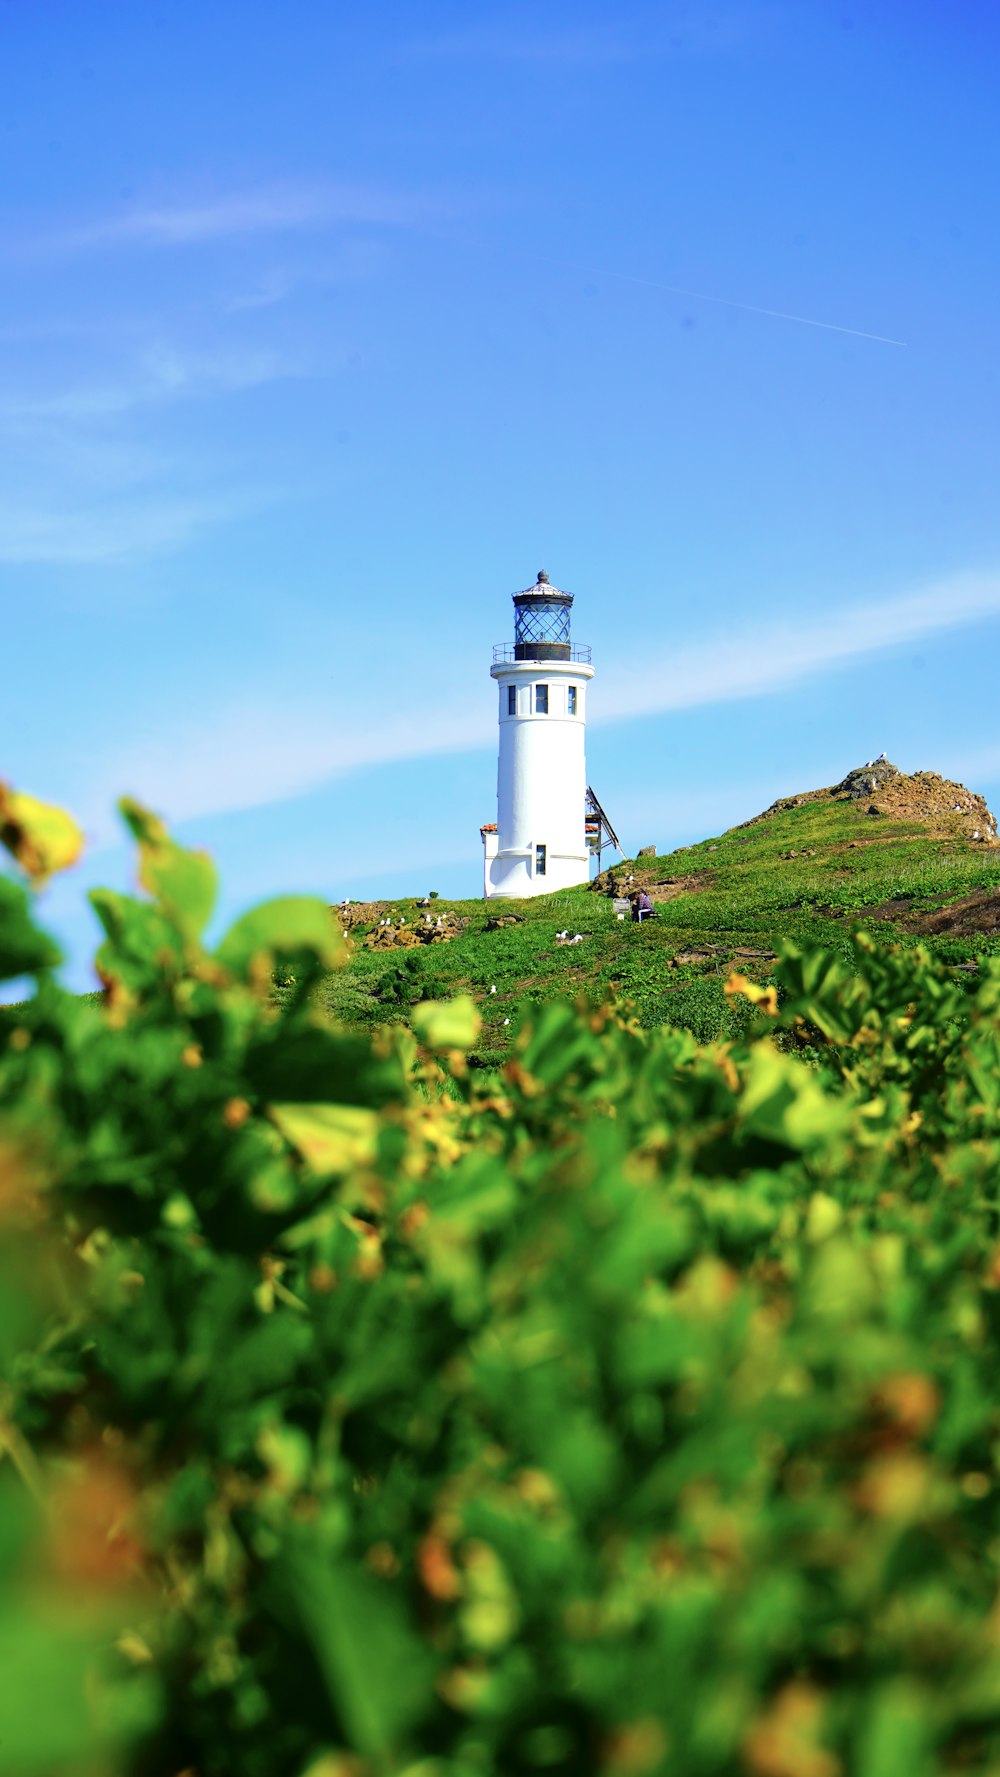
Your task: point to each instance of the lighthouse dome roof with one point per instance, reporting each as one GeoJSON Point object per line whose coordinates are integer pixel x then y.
{"type": "Point", "coordinates": [544, 591]}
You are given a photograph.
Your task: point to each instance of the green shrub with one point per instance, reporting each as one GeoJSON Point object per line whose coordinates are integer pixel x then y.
{"type": "Point", "coordinates": [629, 1410]}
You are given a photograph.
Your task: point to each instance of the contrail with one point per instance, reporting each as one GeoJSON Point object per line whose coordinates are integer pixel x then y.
{"type": "Point", "coordinates": [751, 307]}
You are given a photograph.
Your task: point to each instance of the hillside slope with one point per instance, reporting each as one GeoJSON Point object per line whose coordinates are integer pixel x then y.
{"type": "Point", "coordinates": [913, 859]}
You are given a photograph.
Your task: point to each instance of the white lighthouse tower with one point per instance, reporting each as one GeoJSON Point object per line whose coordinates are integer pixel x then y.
{"type": "Point", "coordinates": [539, 842]}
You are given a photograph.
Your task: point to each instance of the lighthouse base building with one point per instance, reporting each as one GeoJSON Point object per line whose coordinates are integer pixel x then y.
{"type": "Point", "coordinates": [539, 841]}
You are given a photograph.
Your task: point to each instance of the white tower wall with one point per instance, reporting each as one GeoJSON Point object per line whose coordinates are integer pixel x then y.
{"type": "Point", "coordinates": [540, 843]}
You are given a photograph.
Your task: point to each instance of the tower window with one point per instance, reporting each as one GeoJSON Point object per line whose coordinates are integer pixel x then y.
{"type": "Point", "coordinates": [539, 860]}
{"type": "Point", "coordinates": [541, 700]}
{"type": "Point", "coordinates": [571, 699]}
{"type": "Point", "coordinates": [512, 700]}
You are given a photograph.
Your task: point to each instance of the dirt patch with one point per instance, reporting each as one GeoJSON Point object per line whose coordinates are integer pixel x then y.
{"type": "Point", "coordinates": [891, 909]}
{"type": "Point", "coordinates": [742, 953]}
{"type": "Point", "coordinates": [619, 882]}
{"type": "Point", "coordinates": [670, 887]}
{"type": "Point", "coordinates": [972, 915]}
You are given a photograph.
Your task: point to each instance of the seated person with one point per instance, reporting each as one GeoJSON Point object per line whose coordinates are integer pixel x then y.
{"type": "Point", "coordinates": [642, 906]}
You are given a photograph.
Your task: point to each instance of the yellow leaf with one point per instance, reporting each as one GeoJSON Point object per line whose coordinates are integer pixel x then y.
{"type": "Point", "coordinates": [332, 1138]}
{"type": "Point", "coordinates": [447, 1024]}
{"type": "Point", "coordinates": [764, 998]}
{"type": "Point", "coordinates": [42, 838]}
{"type": "Point", "coordinates": [823, 1217]}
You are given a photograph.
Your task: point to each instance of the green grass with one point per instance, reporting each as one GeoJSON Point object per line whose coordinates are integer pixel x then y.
{"type": "Point", "coordinates": [753, 897]}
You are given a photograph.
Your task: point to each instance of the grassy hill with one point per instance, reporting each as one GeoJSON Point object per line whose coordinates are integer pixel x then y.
{"type": "Point", "coordinates": [893, 853]}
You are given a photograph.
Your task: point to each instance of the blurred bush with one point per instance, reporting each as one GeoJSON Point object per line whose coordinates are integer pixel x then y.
{"type": "Point", "coordinates": [630, 1411]}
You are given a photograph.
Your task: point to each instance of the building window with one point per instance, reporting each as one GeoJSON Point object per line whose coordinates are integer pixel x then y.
{"type": "Point", "coordinates": [539, 860]}
{"type": "Point", "coordinates": [571, 699]}
{"type": "Point", "coordinates": [541, 700]}
{"type": "Point", "coordinates": [512, 700]}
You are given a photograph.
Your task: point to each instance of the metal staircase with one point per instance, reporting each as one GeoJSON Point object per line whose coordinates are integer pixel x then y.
{"type": "Point", "coordinates": [600, 833]}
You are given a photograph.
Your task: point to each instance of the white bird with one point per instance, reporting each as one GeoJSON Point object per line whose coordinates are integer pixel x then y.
{"type": "Point", "coordinates": [493, 988]}
{"type": "Point", "coordinates": [506, 1020]}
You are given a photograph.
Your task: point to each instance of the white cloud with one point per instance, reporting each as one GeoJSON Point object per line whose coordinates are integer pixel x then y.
{"type": "Point", "coordinates": [353, 259]}
{"type": "Point", "coordinates": [162, 374]}
{"type": "Point", "coordinates": [758, 660]}
{"type": "Point", "coordinates": [263, 750]}
{"type": "Point", "coordinates": [269, 209]}
{"type": "Point", "coordinates": [109, 534]}
{"type": "Point", "coordinates": [89, 492]}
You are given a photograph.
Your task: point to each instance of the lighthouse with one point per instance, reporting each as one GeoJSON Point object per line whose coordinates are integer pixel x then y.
{"type": "Point", "coordinates": [539, 841]}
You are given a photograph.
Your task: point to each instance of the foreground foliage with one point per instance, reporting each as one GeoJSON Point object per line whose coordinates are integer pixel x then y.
{"type": "Point", "coordinates": [630, 1411]}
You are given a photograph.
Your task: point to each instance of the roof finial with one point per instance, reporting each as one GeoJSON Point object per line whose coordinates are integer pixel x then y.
{"type": "Point", "coordinates": [543, 578]}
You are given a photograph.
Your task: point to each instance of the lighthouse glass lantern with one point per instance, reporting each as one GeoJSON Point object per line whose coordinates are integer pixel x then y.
{"type": "Point", "coordinates": [538, 842]}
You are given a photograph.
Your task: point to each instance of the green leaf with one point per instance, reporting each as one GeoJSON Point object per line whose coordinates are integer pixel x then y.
{"type": "Point", "coordinates": [141, 938]}
{"type": "Point", "coordinates": [376, 1669]}
{"type": "Point", "coordinates": [897, 1735]}
{"type": "Point", "coordinates": [784, 1103]}
{"type": "Point", "coordinates": [447, 1024]}
{"type": "Point", "coordinates": [23, 948]}
{"type": "Point", "coordinates": [183, 882]}
{"type": "Point", "coordinates": [284, 927]}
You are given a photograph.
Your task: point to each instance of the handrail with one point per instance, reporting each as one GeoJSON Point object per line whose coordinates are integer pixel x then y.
{"type": "Point", "coordinates": [503, 654]}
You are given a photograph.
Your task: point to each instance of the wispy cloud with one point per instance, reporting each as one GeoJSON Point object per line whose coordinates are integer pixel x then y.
{"type": "Point", "coordinates": [354, 259]}
{"type": "Point", "coordinates": [110, 533]}
{"type": "Point", "coordinates": [265, 750]}
{"type": "Point", "coordinates": [268, 209]}
{"type": "Point", "coordinates": [731, 667]}
{"type": "Point", "coordinates": [161, 374]}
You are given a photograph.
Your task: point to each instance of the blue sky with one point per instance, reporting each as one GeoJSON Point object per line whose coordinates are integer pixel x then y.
{"type": "Point", "coordinates": [323, 327]}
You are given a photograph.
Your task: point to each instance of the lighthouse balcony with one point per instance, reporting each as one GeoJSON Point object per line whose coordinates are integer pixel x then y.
{"type": "Point", "coordinates": [524, 651]}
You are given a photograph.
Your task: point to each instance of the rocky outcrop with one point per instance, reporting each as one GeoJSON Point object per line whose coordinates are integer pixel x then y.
{"type": "Point", "coordinates": [879, 788]}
